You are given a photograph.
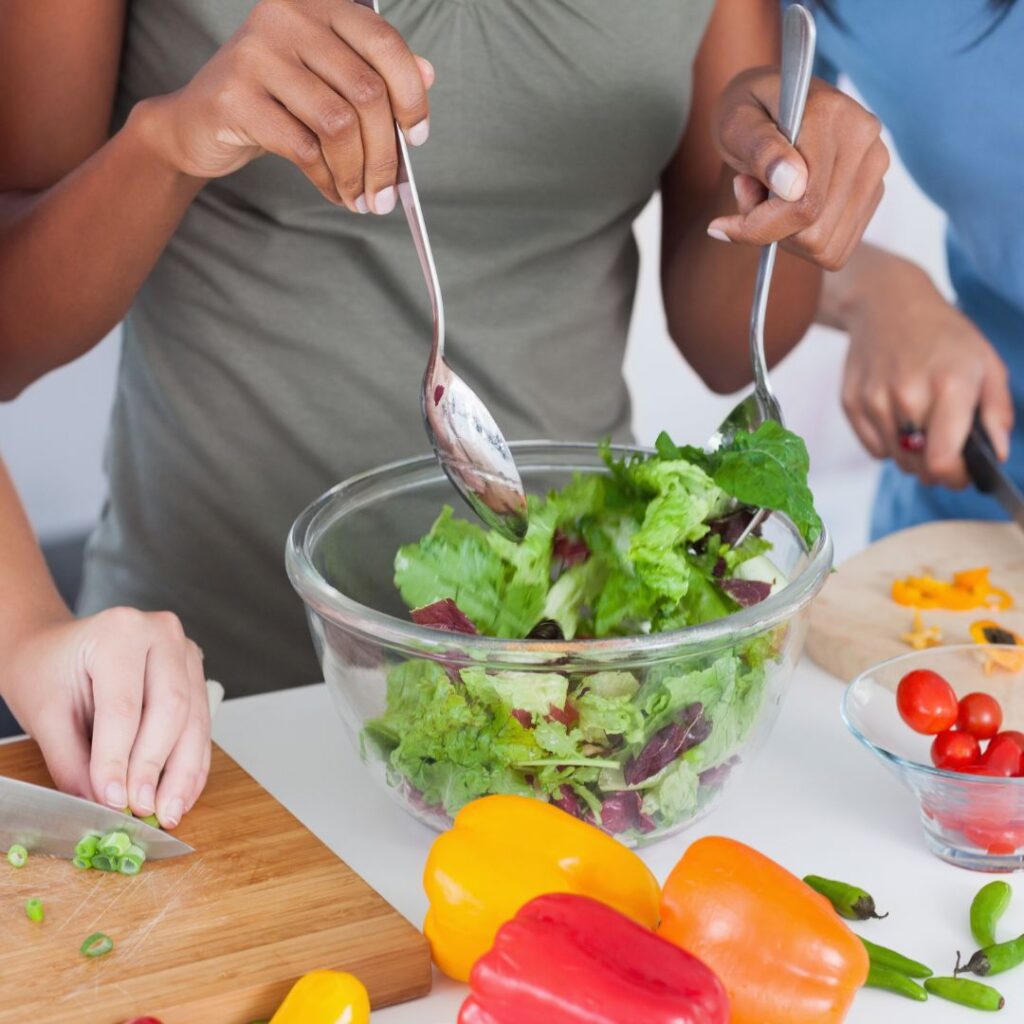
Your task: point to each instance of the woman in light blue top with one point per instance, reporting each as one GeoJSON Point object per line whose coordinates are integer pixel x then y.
{"type": "Point", "coordinates": [947, 78]}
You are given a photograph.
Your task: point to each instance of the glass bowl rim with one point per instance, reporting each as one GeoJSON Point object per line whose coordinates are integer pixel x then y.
{"type": "Point", "coordinates": [405, 635]}
{"type": "Point", "coordinates": [898, 760]}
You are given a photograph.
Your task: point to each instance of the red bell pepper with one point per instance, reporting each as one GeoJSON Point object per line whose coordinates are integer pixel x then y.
{"type": "Point", "coordinates": [570, 959]}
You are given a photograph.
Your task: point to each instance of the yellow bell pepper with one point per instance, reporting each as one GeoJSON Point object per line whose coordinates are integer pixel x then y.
{"type": "Point", "coordinates": [1001, 650]}
{"type": "Point", "coordinates": [504, 851]}
{"type": "Point", "coordinates": [325, 997]}
{"type": "Point", "coordinates": [970, 588]}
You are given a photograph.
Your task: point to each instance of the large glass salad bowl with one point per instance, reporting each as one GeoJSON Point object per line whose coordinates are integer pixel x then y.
{"type": "Point", "coordinates": [640, 734]}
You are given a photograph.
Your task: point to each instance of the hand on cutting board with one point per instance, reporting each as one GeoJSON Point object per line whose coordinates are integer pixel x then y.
{"type": "Point", "coordinates": [915, 364]}
{"type": "Point", "coordinates": [118, 704]}
{"type": "Point", "coordinates": [318, 82]}
{"type": "Point", "coordinates": [824, 191]}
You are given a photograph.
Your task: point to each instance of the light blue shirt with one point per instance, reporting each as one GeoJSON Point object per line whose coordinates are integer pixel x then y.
{"type": "Point", "coordinates": [956, 113]}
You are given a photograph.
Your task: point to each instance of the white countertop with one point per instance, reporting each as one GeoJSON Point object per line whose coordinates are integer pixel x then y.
{"type": "Point", "coordinates": [813, 800]}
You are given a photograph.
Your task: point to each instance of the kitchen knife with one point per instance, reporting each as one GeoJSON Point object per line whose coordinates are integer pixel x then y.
{"type": "Point", "coordinates": [45, 821]}
{"type": "Point", "coordinates": [988, 475]}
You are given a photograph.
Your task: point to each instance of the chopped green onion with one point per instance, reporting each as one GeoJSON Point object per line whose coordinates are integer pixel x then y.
{"type": "Point", "coordinates": [82, 863]}
{"type": "Point", "coordinates": [113, 844]}
{"type": "Point", "coordinates": [96, 945]}
{"type": "Point", "coordinates": [104, 862]}
{"type": "Point", "coordinates": [34, 909]}
{"type": "Point", "coordinates": [87, 846]}
{"type": "Point", "coordinates": [17, 855]}
{"type": "Point", "coordinates": [132, 861]}
{"type": "Point", "coordinates": [152, 820]}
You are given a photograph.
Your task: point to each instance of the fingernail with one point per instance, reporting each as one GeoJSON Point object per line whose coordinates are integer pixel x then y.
{"type": "Point", "coordinates": [736, 188]}
{"type": "Point", "coordinates": [783, 178]}
{"type": "Point", "coordinates": [116, 796]}
{"type": "Point", "coordinates": [146, 799]}
{"type": "Point", "coordinates": [719, 234]}
{"type": "Point", "coordinates": [384, 201]}
{"type": "Point", "coordinates": [419, 133]}
{"type": "Point", "coordinates": [175, 809]}
{"type": "Point", "coordinates": [361, 204]}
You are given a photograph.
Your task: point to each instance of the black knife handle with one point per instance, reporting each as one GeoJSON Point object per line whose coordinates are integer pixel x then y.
{"type": "Point", "coordinates": [980, 458]}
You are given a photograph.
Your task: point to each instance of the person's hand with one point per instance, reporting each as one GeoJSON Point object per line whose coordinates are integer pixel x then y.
{"type": "Point", "coordinates": [118, 704]}
{"type": "Point", "coordinates": [823, 193]}
{"type": "Point", "coordinates": [318, 82]}
{"type": "Point", "coordinates": [917, 365]}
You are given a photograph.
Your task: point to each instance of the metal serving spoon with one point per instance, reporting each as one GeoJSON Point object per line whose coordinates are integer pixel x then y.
{"type": "Point", "coordinates": [469, 445]}
{"type": "Point", "coordinates": [798, 40]}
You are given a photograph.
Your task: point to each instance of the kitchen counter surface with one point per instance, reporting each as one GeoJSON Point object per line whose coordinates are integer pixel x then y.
{"type": "Point", "coordinates": [813, 800]}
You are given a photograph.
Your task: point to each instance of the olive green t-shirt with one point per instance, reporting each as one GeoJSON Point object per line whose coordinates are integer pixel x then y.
{"type": "Point", "coordinates": [279, 343]}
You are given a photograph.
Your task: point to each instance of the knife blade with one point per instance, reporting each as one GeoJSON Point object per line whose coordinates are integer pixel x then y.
{"type": "Point", "coordinates": [988, 475]}
{"type": "Point", "coordinates": [45, 821]}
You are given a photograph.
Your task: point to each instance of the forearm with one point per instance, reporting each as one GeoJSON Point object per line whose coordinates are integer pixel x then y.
{"type": "Point", "coordinates": [28, 597]}
{"type": "Point", "coordinates": [869, 272]}
{"type": "Point", "coordinates": [72, 257]}
{"type": "Point", "coordinates": [708, 287]}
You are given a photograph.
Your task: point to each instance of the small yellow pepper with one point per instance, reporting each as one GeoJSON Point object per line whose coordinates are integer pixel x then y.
{"type": "Point", "coordinates": [325, 997]}
{"type": "Point", "coordinates": [504, 851]}
{"type": "Point", "coordinates": [1004, 650]}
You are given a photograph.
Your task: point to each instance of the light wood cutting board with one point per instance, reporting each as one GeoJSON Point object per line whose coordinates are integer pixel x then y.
{"type": "Point", "coordinates": [217, 937]}
{"type": "Point", "coordinates": [855, 623]}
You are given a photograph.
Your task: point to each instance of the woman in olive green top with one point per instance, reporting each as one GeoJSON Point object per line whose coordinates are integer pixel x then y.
{"type": "Point", "coordinates": [275, 335]}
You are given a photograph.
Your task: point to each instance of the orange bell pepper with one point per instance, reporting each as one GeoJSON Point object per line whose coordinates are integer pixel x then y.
{"type": "Point", "coordinates": [969, 589]}
{"type": "Point", "coordinates": [1004, 649]}
{"type": "Point", "coordinates": [504, 851]}
{"type": "Point", "coordinates": [783, 954]}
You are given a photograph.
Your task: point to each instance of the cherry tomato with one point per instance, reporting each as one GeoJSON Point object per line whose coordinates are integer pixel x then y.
{"type": "Point", "coordinates": [996, 839]}
{"type": "Point", "coordinates": [1017, 737]}
{"type": "Point", "coordinates": [980, 715]}
{"type": "Point", "coordinates": [955, 750]}
{"type": "Point", "coordinates": [926, 702]}
{"type": "Point", "coordinates": [1003, 757]}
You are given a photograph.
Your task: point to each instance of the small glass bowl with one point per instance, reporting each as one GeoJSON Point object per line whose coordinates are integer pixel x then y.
{"type": "Point", "coordinates": [340, 558]}
{"type": "Point", "coordinates": [971, 821]}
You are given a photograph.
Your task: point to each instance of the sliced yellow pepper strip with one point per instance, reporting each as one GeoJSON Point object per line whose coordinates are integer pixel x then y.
{"type": "Point", "coordinates": [504, 851]}
{"type": "Point", "coordinates": [325, 997]}
{"type": "Point", "coordinates": [969, 589]}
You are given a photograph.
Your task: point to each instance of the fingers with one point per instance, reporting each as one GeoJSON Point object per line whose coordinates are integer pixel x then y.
{"type": "Point", "coordinates": [331, 129]}
{"type": "Point", "coordinates": [65, 746]}
{"type": "Point", "coordinates": [755, 146]}
{"type": "Point", "coordinates": [386, 52]}
{"type": "Point", "coordinates": [116, 670]}
{"type": "Point", "coordinates": [166, 701]}
{"type": "Point", "coordinates": [276, 130]}
{"type": "Point", "coordinates": [189, 762]}
{"type": "Point", "coordinates": [996, 405]}
{"type": "Point", "coordinates": [948, 426]}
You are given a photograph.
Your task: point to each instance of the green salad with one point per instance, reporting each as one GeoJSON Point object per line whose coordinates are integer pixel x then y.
{"type": "Point", "coordinates": [657, 543]}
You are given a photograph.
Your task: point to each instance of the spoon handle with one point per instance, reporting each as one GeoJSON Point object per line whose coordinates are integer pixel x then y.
{"type": "Point", "coordinates": [410, 199]}
{"type": "Point", "coordinates": [798, 39]}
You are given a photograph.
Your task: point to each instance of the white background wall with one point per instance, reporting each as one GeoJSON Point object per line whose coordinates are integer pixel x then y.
{"type": "Point", "coordinates": [52, 435]}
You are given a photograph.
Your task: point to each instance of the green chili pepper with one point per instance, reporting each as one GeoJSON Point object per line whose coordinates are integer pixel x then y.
{"type": "Point", "coordinates": [987, 908]}
{"type": "Point", "coordinates": [34, 909]}
{"type": "Point", "coordinates": [96, 945]}
{"type": "Point", "coordinates": [1003, 956]}
{"type": "Point", "coordinates": [17, 856]}
{"type": "Point", "coordinates": [850, 902]}
{"type": "Point", "coordinates": [892, 981]}
{"type": "Point", "coordinates": [894, 961]}
{"type": "Point", "coordinates": [966, 993]}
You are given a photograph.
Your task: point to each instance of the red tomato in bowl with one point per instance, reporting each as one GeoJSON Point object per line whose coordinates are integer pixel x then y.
{"type": "Point", "coordinates": [926, 702]}
{"type": "Point", "coordinates": [1003, 757]}
{"type": "Point", "coordinates": [1017, 737]}
{"type": "Point", "coordinates": [980, 715]}
{"type": "Point", "coordinates": [955, 751]}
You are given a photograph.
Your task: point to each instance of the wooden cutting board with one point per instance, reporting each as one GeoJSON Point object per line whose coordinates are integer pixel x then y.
{"type": "Point", "coordinates": [217, 937]}
{"type": "Point", "coordinates": [855, 623]}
